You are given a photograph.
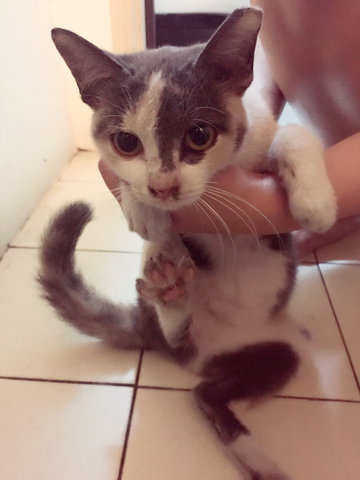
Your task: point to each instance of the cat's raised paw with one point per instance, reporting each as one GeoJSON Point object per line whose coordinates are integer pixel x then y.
{"type": "Point", "coordinates": [316, 212]}
{"type": "Point", "coordinates": [166, 279]}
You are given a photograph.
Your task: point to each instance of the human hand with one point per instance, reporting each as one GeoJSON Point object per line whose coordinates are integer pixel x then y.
{"type": "Point", "coordinates": [237, 201]}
{"type": "Point", "coordinates": [148, 222]}
{"type": "Point", "coordinates": [240, 194]}
{"type": "Point", "coordinates": [110, 178]}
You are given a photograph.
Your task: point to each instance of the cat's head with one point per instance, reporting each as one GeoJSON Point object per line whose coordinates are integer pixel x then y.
{"type": "Point", "coordinates": [167, 119]}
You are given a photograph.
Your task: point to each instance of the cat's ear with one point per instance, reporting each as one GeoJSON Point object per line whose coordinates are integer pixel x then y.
{"type": "Point", "coordinates": [92, 68]}
{"type": "Point", "coordinates": [229, 54]}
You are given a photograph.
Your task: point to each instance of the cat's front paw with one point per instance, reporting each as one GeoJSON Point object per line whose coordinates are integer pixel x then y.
{"type": "Point", "coordinates": [315, 210]}
{"type": "Point", "coordinates": [299, 159]}
{"type": "Point", "coordinates": [166, 279]}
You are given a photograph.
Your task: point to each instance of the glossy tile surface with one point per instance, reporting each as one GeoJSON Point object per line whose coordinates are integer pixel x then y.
{"type": "Point", "coordinates": [345, 250]}
{"type": "Point", "coordinates": [343, 282]}
{"type": "Point", "coordinates": [330, 375]}
{"type": "Point", "coordinates": [108, 218]}
{"type": "Point", "coordinates": [35, 343]}
{"type": "Point", "coordinates": [61, 431]}
{"type": "Point", "coordinates": [73, 408]}
{"type": "Point", "coordinates": [311, 440]}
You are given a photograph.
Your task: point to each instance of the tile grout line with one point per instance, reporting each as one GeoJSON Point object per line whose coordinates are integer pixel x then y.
{"type": "Point", "coordinates": [165, 389]}
{"type": "Point", "coordinates": [131, 412]}
{"type": "Point", "coordinates": [160, 388]}
{"type": "Point", "coordinates": [341, 263]}
{"type": "Point", "coordinates": [29, 247]}
{"type": "Point", "coordinates": [314, 399]}
{"type": "Point", "coordinates": [338, 326]}
{"type": "Point", "coordinates": [70, 382]}
{"type": "Point", "coordinates": [93, 382]}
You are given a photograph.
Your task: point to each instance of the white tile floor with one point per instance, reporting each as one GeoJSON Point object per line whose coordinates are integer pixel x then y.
{"type": "Point", "coordinates": [73, 409]}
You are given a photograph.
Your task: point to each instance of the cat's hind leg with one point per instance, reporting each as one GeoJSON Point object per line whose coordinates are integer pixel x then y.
{"type": "Point", "coordinates": [297, 156]}
{"type": "Point", "coordinates": [254, 371]}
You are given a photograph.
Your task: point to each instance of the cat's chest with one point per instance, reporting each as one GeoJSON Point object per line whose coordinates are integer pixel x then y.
{"type": "Point", "coordinates": [235, 296]}
{"type": "Point", "coordinates": [240, 272]}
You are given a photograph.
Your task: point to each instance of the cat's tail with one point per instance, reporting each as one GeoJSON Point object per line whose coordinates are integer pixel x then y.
{"type": "Point", "coordinates": [126, 327]}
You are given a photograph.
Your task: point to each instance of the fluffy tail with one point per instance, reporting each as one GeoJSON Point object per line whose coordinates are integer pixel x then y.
{"type": "Point", "coordinates": [125, 327]}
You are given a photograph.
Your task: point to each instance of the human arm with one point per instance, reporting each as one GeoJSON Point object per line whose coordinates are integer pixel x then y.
{"type": "Point", "coordinates": [266, 194]}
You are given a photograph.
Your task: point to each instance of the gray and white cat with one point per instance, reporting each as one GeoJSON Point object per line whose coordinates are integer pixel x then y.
{"type": "Point", "coordinates": [166, 121]}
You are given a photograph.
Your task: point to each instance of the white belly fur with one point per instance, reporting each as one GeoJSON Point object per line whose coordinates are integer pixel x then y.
{"type": "Point", "coordinates": [231, 305]}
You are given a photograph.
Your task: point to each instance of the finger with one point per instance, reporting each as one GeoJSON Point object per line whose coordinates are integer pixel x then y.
{"type": "Point", "coordinates": [110, 178]}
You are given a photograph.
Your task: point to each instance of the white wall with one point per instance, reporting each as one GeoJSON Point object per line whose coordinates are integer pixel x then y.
{"type": "Point", "coordinates": [35, 132]}
{"type": "Point", "coordinates": [198, 6]}
{"type": "Point", "coordinates": [43, 121]}
{"type": "Point", "coordinates": [114, 25]}
{"type": "Point", "coordinates": [91, 20]}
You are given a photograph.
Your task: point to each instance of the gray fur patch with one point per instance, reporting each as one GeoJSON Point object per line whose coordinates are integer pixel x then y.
{"type": "Point", "coordinates": [284, 244]}
{"type": "Point", "coordinates": [79, 304]}
{"type": "Point", "coordinates": [240, 133]}
{"type": "Point", "coordinates": [185, 349]}
{"type": "Point", "coordinates": [252, 372]}
{"type": "Point", "coordinates": [197, 252]}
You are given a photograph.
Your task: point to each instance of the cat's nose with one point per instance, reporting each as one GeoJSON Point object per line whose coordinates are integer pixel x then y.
{"type": "Point", "coordinates": [165, 193]}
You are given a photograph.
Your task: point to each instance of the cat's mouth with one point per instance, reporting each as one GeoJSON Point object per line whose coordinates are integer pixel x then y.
{"type": "Point", "coordinates": [170, 199]}
{"type": "Point", "coordinates": [169, 203]}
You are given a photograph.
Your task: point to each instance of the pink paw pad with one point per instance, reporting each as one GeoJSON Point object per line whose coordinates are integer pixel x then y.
{"type": "Point", "coordinates": [164, 280]}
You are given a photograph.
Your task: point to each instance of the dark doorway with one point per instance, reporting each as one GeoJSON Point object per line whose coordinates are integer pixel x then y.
{"type": "Point", "coordinates": [179, 28]}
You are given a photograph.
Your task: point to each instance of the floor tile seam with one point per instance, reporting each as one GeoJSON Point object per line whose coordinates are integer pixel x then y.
{"type": "Point", "coordinates": [161, 388]}
{"type": "Point", "coordinates": [318, 399]}
{"type": "Point", "coordinates": [66, 382]}
{"type": "Point", "coordinates": [343, 263]}
{"type": "Point", "coordinates": [131, 412]}
{"type": "Point", "coordinates": [341, 333]}
{"type": "Point", "coordinates": [290, 397]}
{"type": "Point", "coordinates": [89, 250]}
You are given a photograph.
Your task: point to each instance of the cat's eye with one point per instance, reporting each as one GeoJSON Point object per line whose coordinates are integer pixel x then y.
{"type": "Point", "coordinates": [200, 137]}
{"type": "Point", "coordinates": [126, 143]}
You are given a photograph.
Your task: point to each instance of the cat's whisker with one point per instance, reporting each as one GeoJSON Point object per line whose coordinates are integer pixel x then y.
{"type": "Point", "coordinates": [250, 225]}
{"type": "Point", "coordinates": [112, 116]}
{"type": "Point", "coordinates": [219, 235]}
{"type": "Point", "coordinates": [220, 219]}
{"type": "Point", "coordinates": [240, 199]}
{"type": "Point", "coordinates": [210, 108]}
{"type": "Point", "coordinates": [230, 236]}
{"type": "Point", "coordinates": [204, 121]}
{"type": "Point", "coordinates": [119, 107]}
{"type": "Point", "coordinates": [238, 212]}
{"type": "Point", "coordinates": [125, 91]}
{"type": "Point", "coordinates": [186, 101]}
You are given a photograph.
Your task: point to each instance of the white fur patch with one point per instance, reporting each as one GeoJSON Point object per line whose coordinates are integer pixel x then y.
{"type": "Point", "coordinates": [246, 280]}
{"type": "Point", "coordinates": [140, 120]}
{"type": "Point", "coordinates": [261, 130]}
{"type": "Point", "coordinates": [250, 458]}
{"type": "Point", "coordinates": [301, 166]}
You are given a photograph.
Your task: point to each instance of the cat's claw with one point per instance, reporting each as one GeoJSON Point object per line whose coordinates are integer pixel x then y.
{"type": "Point", "coordinates": [165, 280]}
